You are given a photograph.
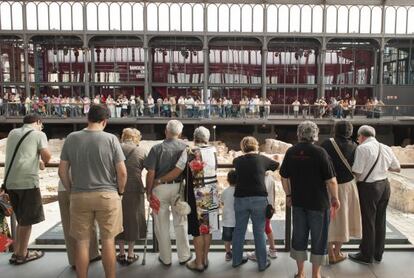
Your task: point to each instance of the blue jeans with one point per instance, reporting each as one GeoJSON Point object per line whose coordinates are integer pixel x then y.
{"type": "Point", "coordinates": [317, 223]}
{"type": "Point", "coordinates": [255, 209]}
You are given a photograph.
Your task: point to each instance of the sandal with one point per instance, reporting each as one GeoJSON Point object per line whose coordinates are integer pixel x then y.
{"type": "Point", "coordinates": [192, 265]}
{"type": "Point", "coordinates": [131, 260]}
{"type": "Point", "coordinates": [13, 259]}
{"type": "Point", "coordinates": [30, 256]}
{"type": "Point", "coordinates": [120, 258]}
{"type": "Point", "coordinates": [340, 258]}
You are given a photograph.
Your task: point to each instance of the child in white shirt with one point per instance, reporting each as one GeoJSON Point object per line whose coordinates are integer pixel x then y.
{"type": "Point", "coordinates": [229, 218]}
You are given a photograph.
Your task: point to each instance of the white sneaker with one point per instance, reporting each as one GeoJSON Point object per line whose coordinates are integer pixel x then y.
{"type": "Point", "coordinates": [272, 253]}
{"type": "Point", "coordinates": [251, 256]}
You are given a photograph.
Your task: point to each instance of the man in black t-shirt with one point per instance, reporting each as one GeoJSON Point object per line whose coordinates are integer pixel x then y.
{"type": "Point", "coordinates": [307, 175]}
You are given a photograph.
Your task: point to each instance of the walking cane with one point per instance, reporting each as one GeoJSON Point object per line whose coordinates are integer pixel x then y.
{"type": "Point", "coordinates": [146, 237]}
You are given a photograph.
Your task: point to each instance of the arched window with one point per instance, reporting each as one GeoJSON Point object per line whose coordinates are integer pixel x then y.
{"type": "Point", "coordinates": [175, 19]}
{"type": "Point", "coordinates": [212, 18]}
{"type": "Point", "coordinates": [258, 18]}
{"type": "Point", "coordinates": [272, 18]}
{"type": "Point", "coordinates": [186, 17]}
{"type": "Point", "coordinates": [54, 12]}
{"type": "Point", "coordinates": [42, 16]}
{"type": "Point", "coordinates": [247, 18]}
{"type": "Point", "coordinates": [410, 21]}
{"type": "Point", "coordinates": [306, 24]}
{"type": "Point", "coordinates": [401, 20]}
{"type": "Point", "coordinates": [235, 18]}
{"type": "Point", "coordinates": [152, 17]}
{"type": "Point", "coordinates": [376, 18]}
{"type": "Point", "coordinates": [343, 19]}
{"type": "Point", "coordinates": [77, 13]}
{"type": "Point", "coordinates": [5, 16]}
{"type": "Point", "coordinates": [354, 20]}
{"type": "Point", "coordinates": [66, 16]}
{"type": "Point", "coordinates": [390, 20]}
{"type": "Point", "coordinates": [283, 18]}
{"type": "Point", "coordinates": [317, 19]}
{"type": "Point", "coordinates": [103, 17]}
{"type": "Point", "coordinates": [163, 17]}
{"type": "Point", "coordinates": [31, 16]}
{"type": "Point", "coordinates": [365, 20]}
{"type": "Point", "coordinates": [223, 18]}
{"type": "Point", "coordinates": [138, 17]}
{"type": "Point", "coordinates": [294, 18]}
{"type": "Point", "coordinates": [126, 18]}
{"type": "Point", "coordinates": [331, 16]}
{"type": "Point", "coordinates": [17, 16]}
{"type": "Point", "coordinates": [198, 18]}
{"type": "Point", "coordinates": [115, 16]}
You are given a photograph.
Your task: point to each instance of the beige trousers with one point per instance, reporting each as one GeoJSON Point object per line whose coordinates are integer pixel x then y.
{"type": "Point", "coordinates": [64, 205]}
{"type": "Point", "coordinates": [167, 193]}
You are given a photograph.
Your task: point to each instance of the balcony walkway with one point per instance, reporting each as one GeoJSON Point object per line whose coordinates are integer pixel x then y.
{"type": "Point", "coordinates": [54, 264]}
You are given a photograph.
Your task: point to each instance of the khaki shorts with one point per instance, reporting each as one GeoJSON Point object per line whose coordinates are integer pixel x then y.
{"type": "Point", "coordinates": [104, 207]}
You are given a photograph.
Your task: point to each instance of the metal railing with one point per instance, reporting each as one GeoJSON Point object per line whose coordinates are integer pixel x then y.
{"type": "Point", "coordinates": [210, 111]}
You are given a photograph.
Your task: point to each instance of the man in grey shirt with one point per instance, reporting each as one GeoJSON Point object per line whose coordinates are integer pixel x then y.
{"type": "Point", "coordinates": [161, 159]}
{"type": "Point", "coordinates": [98, 175]}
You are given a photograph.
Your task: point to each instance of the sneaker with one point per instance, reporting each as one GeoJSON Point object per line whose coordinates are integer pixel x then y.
{"type": "Point", "coordinates": [251, 256]}
{"type": "Point", "coordinates": [272, 253]}
{"type": "Point", "coordinates": [229, 256]}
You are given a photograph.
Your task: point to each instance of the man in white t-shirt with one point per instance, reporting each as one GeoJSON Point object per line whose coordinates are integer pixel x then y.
{"type": "Point", "coordinates": [229, 218]}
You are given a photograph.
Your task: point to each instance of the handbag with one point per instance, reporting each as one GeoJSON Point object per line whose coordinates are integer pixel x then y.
{"type": "Point", "coordinates": [270, 210]}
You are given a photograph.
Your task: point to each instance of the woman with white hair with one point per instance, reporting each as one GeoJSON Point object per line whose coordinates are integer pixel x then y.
{"type": "Point", "coordinates": [307, 176]}
{"type": "Point", "coordinates": [199, 165]}
{"type": "Point", "coordinates": [133, 201]}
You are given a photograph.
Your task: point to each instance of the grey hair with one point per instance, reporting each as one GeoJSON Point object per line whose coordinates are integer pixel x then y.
{"type": "Point", "coordinates": [366, 131]}
{"type": "Point", "coordinates": [201, 134]}
{"type": "Point", "coordinates": [307, 132]}
{"type": "Point", "coordinates": [174, 127]}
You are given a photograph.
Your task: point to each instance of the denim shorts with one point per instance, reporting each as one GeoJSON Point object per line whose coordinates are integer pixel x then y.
{"type": "Point", "coordinates": [227, 233]}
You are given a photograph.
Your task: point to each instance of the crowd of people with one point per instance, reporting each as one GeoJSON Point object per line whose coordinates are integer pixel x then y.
{"type": "Point", "coordinates": [337, 191]}
{"type": "Point", "coordinates": [189, 106]}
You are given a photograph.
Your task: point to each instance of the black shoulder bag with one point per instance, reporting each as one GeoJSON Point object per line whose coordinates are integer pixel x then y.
{"type": "Point", "coordinates": [3, 186]}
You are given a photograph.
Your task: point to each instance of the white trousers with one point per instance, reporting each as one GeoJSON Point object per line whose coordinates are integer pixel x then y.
{"type": "Point", "coordinates": [167, 193]}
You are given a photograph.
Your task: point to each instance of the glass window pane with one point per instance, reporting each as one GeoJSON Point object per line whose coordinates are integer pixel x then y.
{"type": "Point", "coordinates": [411, 21]}
{"type": "Point", "coordinates": [354, 20]}
{"type": "Point", "coordinates": [317, 19]}
{"type": "Point", "coordinates": [152, 17]}
{"type": "Point", "coordinates": [91, 18]}
{"type": "Point", "coordinates": [42, 17]}
{"type": "Point", "coordinates": [163, 17]}
{"type": "Point", "coordinates": [271, 18]}
{"type": "Point", "coordinates": [138, 17]}
{"type": "Point", "coordinates": [401, 20]}
{"type": "Point", "coordinates": [186, 16]}
{"type": "Point", "coordinates": [212, 18]}
{"type": "Point", "coordinates": [283, 18]}
{"type": "Point", "coordinates": [77, 13]}
{"type": "Point", "coordinates": [66, 16]}
{"type": "Point", "coordinates": [331, 19]}
{"type": "Point", "coordinates": [5, 16]}
{"type": "Point", "coordinates": [198, 18]}
{"type": "Point", "coordinates": [246, 18]}
{"type": "Point", "coordinates": [103, 15]}
{"type": "Point", "coordinates": [115, 14]}
{"type": "Point", "coordinates": [235, 18]}
{"type": "Point", "coordinates": [126, 18]}
{"type": "Point", "coordinates": [17, 16]}
{"type": "Point", "coordinates": [390, 20]}
{"type": "Point", "coordinates": [54, 16]}
{"type": "Point", "coordinates": [306, 19]}
{"type": "Point", "coordinates": [223, 18]}
{"type": "Point", "coordinates": [175, 17]}
{"type": "Point", "coordinates": [294, 19]}
{"type": "Point", "coordinates": [365, 20]}
{"type": "Point", "coordinates": [376, 19]}
{"type": "Point", "coordinates": [258, 18]}
{"type": "Point", "coordinates": [31, 16]}
{"type": "Point", "coordinates": [343, 19]}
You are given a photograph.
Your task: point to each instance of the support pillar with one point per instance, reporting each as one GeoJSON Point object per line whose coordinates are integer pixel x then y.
{"type": "Point", "coordinates": [264, 60]}
{"type": "Point", "coordinates": [321, 70]}
{"type": "Point", "coordinates": [93, 69]}
{"type": "Point", "coordinates": [26, 66]}
{"type": "Point", "coordinates": [380, 91]}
